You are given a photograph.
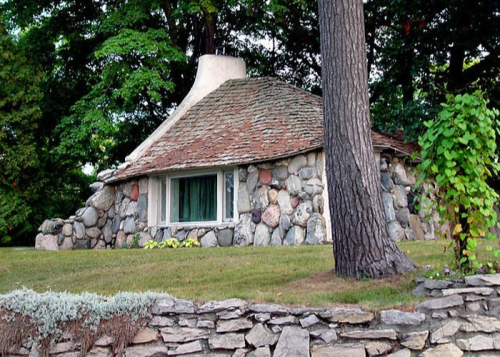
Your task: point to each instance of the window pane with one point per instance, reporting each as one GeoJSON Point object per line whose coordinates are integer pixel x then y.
{"type": "Point", "coordinates": [194, 199]}
{"type": "Point", "coordinates": [228, 195]}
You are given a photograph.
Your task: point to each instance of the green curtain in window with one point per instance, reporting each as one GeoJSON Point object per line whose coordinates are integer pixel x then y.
{"type": "Point", "coordinates": [198, 199]}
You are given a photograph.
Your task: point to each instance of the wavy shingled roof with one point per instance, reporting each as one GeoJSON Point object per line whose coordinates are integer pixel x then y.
{"type": "Point", "coordinates": [243, 121]}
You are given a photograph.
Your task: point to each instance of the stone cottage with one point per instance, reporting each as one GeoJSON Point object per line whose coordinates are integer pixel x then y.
{"type": "Point", "coordinates": [240, 162]}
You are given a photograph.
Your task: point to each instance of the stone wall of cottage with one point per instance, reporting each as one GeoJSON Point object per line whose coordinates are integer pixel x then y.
{"type": "Point", "coordinates": [462, 320]}
{"type": "Point", "coordinates": [279, 203]}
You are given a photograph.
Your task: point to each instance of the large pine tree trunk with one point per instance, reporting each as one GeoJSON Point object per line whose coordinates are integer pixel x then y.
{"type": "Point", "coordinates": [361, 243]}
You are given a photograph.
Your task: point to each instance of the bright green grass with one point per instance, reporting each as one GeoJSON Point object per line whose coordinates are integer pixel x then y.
{"type": "Point", "coordinates": [286, 275]}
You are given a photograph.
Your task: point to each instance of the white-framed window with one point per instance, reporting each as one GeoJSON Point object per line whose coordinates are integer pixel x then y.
{"type": "Point", "coordinates": [193, 198]}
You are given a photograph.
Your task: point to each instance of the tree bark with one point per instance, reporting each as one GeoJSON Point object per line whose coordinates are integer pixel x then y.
{"type": "Point", "coordinates": [361, 243]}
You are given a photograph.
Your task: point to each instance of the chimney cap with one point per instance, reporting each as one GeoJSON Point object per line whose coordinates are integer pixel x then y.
{"type": "Point", "coordinates": [227, 50]}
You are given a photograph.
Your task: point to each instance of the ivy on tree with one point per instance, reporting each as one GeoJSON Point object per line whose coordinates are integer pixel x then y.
{"type": "Point", "coordinates": [458, 153]}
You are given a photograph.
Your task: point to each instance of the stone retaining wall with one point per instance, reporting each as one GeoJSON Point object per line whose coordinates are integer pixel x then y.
{"type": "Point", "coordinates": [462, 322]}
{"type": "Point", "coordinates": [279, 203]}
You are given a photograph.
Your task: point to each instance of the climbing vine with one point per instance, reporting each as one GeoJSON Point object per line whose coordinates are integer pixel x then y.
{"type": "Point", "coordinates": [458, 154]}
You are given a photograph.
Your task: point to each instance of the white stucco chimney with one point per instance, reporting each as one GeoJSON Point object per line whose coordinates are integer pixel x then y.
{"type": "Point", "coordinates": [212, 71]}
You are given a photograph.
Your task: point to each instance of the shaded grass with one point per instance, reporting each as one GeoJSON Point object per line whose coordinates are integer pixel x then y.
{"type": "Point", "coordinates": [286, 275]}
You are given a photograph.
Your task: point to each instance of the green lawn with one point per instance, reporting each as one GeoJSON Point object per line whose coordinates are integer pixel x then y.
{"type": "Point", "coordinates": [286, 275]}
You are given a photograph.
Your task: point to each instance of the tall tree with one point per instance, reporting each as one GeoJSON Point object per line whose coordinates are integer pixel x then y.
{"type": "Point", "coordinates": [361, 244]}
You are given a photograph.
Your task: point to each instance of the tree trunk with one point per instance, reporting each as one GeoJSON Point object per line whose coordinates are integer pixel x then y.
{"type": "Point", "coordinates": [361, 243]}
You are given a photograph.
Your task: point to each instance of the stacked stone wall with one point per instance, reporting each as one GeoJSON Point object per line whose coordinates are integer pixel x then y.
{"type": "Point", "coordinates": [111, 217]}
{"type": "Point", "coordinates": [462, 321]}
{"type": "Point", "coordinates": [279, 203]}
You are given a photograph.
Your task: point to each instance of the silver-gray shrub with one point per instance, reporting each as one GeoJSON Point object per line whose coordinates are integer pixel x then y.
{"type": "Point", "coordinates": [51, 311]}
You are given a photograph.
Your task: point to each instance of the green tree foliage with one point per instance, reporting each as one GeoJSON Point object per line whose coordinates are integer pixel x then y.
{"type": "Point", "coordinates": [459, 154]}
{"type": "Point", "coordinates": [419, 51]}
{"type": "Point", "coordinates": [19, 117]}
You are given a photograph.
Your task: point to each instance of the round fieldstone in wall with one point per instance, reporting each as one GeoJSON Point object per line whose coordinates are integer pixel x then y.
{"type": "Point", "coordinates": [225, 237]}
{"type": "Point", "coordinates": [280, 173]}
{"type": "Point", "coordinates": [260, 198]}
{"type": "Point", "coordinates": [252, 178]}
{"type": "Point", "coordinates": [116, 224]}
{"type": "Point", "coordinates": [209, 240]}
{"type": "Point", "coordinates": [285, 224]}
{"type": "Point", "coordinates": [90, 217]}
{"type": "Point", "coordinates": [396, 232]}
{"type": "Point", "coordinates": [386, 181]}
{"type": "Point", "coordinates": [243, 203]}
{"type": "Point", "coordinates": [67, 229]}
{"type": "Point", "coordinates": [314, 187]}
{"type": "Point", "coordinates": [316, 229]}
{"type": "Point", "coordinates": [273, 196]}
{"type": "Point", "coordinates": [256, 216]}
{"type": "Point", "coordinates": [93, 232]}
{"type": "Point", "coordinates": [79, 230]}
{"type": "Point", "coordinates": [143, 208]}
{"type": "Point", "coordinates": [403, 216]}
{"type": "Point", "coordinates": [262, 235]}
{"type": "Point", "coordinates": [271, 216]}
{"type": "Point", "coordinates": [104, 199]}
{"type": "Point", "coordinates": [318, 204]}
{"type": "Point", "coordinates": [134, 193]}
{"type": "Point", "coordinates": [265, 177]}
{"type": "Point", "coordinates": [276, 238]}
{"type": "Point", "coordinates": [293, 185]}
{"type": "Point", "coordinates": [129, 226]}
{"type": "Point", "coordinates": [302, 214]}
{"type": "Point", "coordinates": [307, 173]}
{"type": "Point", "coordinates": [297, 163]}
{"type": "Point", "coordinates": [121, 237]}
{"type": "Point", "coordinates": [295, 202]}
{"type": "Point", "coordinates": [285, 202]}
{"type": "Point", "coordinates": [295, 236]}
{"type": "Point", "coordinates": [243, 232]}
{"type": "Point", "coordinates": [107, 232]}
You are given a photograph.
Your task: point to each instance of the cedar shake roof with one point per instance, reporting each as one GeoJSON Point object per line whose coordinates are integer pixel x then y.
{"type": "Point", "coordinates": [243, 121]}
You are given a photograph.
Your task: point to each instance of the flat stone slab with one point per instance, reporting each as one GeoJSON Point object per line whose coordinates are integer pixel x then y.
{"type": "Point", "coordinates": [272, 309]}
{"type": "Point", "coordinates": [351, 350]}
{"type": "Point", "coordinates": [445, 332]}
{"type": "Point", "coordinates": [476, 291]}
{"type": "Point", "coordinates": [371, 334]}
{"type": "Point", "coordinates": [145, 336]}
{"type": "Point", "coordinates": [442, 303]}
{"type": "Point", "coordinates": [377, 348]}
{"type": "Point", "coordinates": [477, 323]}
{"type": "Point", "coordinates": [401, 353]}
{"type": "Point", "coordinates": [261, 336]}
{"type": "Point", "coordinates": [143, 351]}
{"type": "Point", "coordinates": [483, 280]}
{"type": "Point", "coordinates": [286, 320]}
{"type": "Point", "coordinates": [309, 321]}
{"type": "Point", "coordinates": [234, 325]}
{"type": "Point", "coordinates": [479, 343]}
{"type": "Point", "coordinates": [448, 350]}
{"type": "Point", "coordinates": [161, 321]}
{"type": "Point", "coordinates": [228, 341]}
{"type": "Point", "coordinates": [432, 284]}
{"type": "Point", "coordinates": [293, 341]}
{"type": "Point", "coordinates": [182, 334]}
{"type": "Point", "coordinates": [415, 340]}
{"type": "Point", "coordinates": [260, 352]}
{"type": "Point", "coordinates": [188, 348]}
{"type": "Point", "coordinates": [396, 317]}
{"type": "Point", "coordinates": [168, 305]}
{"type": "Point", "coordinates": [347, 315]}
{"type": "Point", "coordinates": [226, 305]}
